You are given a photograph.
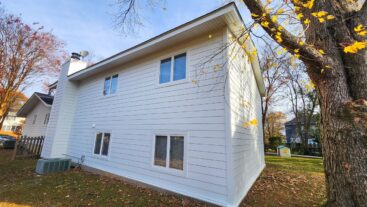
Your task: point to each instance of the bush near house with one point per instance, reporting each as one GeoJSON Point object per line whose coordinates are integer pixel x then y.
{"type": "Point", "coordinates": [284, 182]}
{"type": "Point", "coordinates": [274, 142]}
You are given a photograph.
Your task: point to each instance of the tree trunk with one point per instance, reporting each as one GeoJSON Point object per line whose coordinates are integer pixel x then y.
{"type": "Point", "coordinates": [344, 146]}
{"type": "Point", "coordinates": [2, 120]}
{"type": "Point", "coordinates": [264, 110]}
{"type": "Point", "coordinates": [344, 142]}
{"type": "Point", "coordinates": [341, 84]}
{"type": "Point", "coordinates": [343, 107]}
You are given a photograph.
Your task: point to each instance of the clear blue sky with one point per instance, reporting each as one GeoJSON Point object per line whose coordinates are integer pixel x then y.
{"type": "Point", "coordinates": [88, 25]}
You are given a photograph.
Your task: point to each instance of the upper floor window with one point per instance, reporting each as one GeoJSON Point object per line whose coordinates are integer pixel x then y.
{"type": "Point", "coordinates": [173, 69]}
{"type": "Point", "coordinates": [110, 85]}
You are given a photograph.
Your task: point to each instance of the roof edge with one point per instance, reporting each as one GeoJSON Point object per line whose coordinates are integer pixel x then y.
{"type": "Point", "coordinates": [23, 112]}
{"type": "Point", "coordinates": [144, 43]}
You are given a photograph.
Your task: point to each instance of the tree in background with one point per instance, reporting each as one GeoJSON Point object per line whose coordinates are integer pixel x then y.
{"type": "Point", "coordinates": [19, 100]}
{"type": "Point", "coordinates": [275, 79]}
{"type": "Point", "coordinates": [26, 53]}
{"type": "Point", "coordinates": [274, 125]}
{"type": "Point", "coordinates": [303, 100]}
{"type": "Point", "coordinates": [274, 129]}
{"type": "Point", "coordinates": [274, 142]}
{"type": "Point", "coordinates": [315, 132]}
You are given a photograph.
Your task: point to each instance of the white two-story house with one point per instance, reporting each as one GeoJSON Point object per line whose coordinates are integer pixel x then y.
{"type": "Point", "coordinates": [170, 112]}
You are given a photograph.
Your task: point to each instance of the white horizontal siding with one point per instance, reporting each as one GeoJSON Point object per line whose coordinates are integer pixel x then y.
{"type": "Point", "coordinates": [141, 108]}
{"type": "Point", "coordinates": [38, 128]}
{"type": "Point", "coordinates": [247, 152]}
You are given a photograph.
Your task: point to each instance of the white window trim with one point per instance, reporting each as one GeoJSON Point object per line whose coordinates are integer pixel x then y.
{"type": "Point", "coordinates": [100, 156]}
{"type": "Point", "coordinates": [47, 119]}
{"type": "Point", "coordinates": [117, 86]}
{"type": "Point", "coordinates": [172, 82]}
{"type": "Point", "coordinates": [34, 121]}
{"type": "Point", "coordinates": [167, 169]}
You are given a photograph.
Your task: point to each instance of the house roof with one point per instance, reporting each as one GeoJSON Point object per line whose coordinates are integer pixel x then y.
{"type": "Point", "coordinates": [45, 99]}
{"type": "Point", "coordinates": [52, 85]}
{"type": "Point", "coordinates": [48, 99]}
{"type": "Point", "coordinates": [227, 15]}
{"type": "Point", "coordinates": [294, 121]}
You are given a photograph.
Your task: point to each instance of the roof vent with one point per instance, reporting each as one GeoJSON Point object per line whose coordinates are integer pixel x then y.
{"type": "Point", "coordinates": [75, 55]}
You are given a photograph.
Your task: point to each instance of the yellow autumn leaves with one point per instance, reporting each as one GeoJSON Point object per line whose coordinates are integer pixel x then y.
{"type": "Point", "coordinates": [322, 16]}
{"type": "Point", "coordinates": [310, 86]}
{"type": "Point", "coordinates": [265, 24]}
{"type": "Point", "coordinates": [356, 46]}
{"type": "Point", "coordinates": [278, 37]}
{"type": "Point", "coordinates": [308, 4]}
{"type": "Point", "coordinates": [360, 30]}
{"type": "Point", "coordinates": [247, 124]}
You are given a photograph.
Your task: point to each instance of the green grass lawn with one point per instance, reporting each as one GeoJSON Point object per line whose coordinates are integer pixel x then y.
{"type": "Point", "coordinates": [289, 182]}
{"type": "Point", "coordinates": [296, 164]}
{"type": "Point", "coordinates": [284, 182]}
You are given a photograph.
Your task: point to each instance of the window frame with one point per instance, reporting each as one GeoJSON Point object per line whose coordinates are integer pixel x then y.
{"type": "Point", "coordinates": [34, 121]}
{"type": "Point", "coordinates": [47, 119]}
{"type": "Point", "coordinates": [172, 57]}
{"type": "Point", "coordinates": [167, 169]}
{"type": "Point", "coordinates": [100, 156]}
{"type": "Point", "coordinates": [110, 85]}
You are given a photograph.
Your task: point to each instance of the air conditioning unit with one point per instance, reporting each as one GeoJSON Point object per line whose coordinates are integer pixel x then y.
{"type": "Point", "coordinates": [45, 166]}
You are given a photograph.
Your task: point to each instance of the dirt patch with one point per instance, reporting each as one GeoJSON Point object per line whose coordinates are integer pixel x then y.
{"type": "Point", "coordinates": [284, 188]}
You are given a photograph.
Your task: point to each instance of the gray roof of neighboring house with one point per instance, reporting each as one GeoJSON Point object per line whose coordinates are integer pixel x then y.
{"type": "Point", "coordinates": [45, 99]}
{"type": "Point", "coordinates": [294, 121]}
{"type": "Point", "coordinates": [48, 99]}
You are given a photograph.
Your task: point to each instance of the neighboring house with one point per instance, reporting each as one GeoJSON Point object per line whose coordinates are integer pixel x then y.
{"type": "Point", "coordinates": [37, 113]}
{"type": "Point", "coordinates": [12, 123]}
{"type": "Point", "coordinates": [292, 134]}
{"type": "Point", "coordinates": [168, 112]}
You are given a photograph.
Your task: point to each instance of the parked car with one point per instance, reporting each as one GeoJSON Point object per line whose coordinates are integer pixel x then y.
{"type": "Point", "coordinates": [7, 142]}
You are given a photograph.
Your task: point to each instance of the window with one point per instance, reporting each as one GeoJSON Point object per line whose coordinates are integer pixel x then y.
{"type": "Point", "coordinates": [102, 143]}
{"type": "Point", "coordinates": [34, 119]}
{"type": "Point", "coordinates": [169, 151]}
{"type": "Point", "coordinates": [165, 74]}
{"type": "Point", "coordinates": [47, 117]}
{"type": "Point", "coordinates": [160, 151]}
{"type": "Point", "coordinates": [173, 72]}
{"type": "Point", "coordinates": [13, 128]}
{"type": "Point", "coordinates": [110, 85]}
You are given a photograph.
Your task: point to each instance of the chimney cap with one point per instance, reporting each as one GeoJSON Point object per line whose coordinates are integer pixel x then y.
{"type": "Point", "coordinates": [75, 55]}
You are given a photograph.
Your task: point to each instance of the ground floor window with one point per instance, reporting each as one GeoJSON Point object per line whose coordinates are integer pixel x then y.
{"type": "Point", "coordinates": [169, 151]}
{"type": "Point", "coordinates": [102, 143]}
